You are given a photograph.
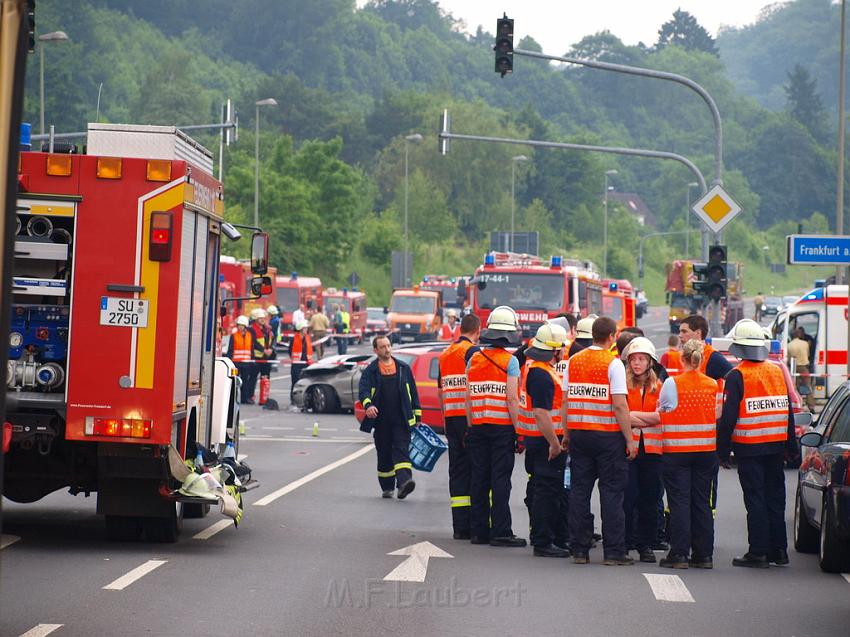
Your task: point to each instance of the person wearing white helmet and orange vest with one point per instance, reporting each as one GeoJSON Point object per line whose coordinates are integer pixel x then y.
{"type": "Point", "coordinates": [599, 436]}
{"type": "Point", "coordinates": [584, 334]}
{"type": "Point", "coordinates": [758, 425]}
{"type": "Point", "coordinates": [492, 402]}
{"type": "Point", "coordinates": [688, 412]}
{"type": "Point", "coordinates": [540, 422]}
{"type": "Point", "coordinates": [644, 486]}
{"type": "Point", "coordinates": [300, 354]}
{"type": "Point", "coordinates": [452, 384]}
{"type": "Point", "coordinates": [263, 351]}
{"type": "Point", "coordinates": [240, 350]}
{"type": "Point", "coordinates": [450, 331]}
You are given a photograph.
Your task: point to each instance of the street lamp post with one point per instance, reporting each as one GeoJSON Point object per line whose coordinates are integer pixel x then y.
{"type": "Point", "coordinates": [266, 102]}
{"type": "Point", "coordinates": [693, 184]}
{"type": "Point", "coordinates": [514, 160]}
{"type": "Point", "coordinates": [608, 173]}
{"type": "Point", "coordinates": [54, 36]}
{"type": "Point", "coordinates": [414, 137]}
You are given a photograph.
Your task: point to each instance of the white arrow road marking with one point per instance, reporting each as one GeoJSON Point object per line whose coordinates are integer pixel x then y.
{"type": "Point", "coordinates": [137, 573]}
{"type": "Point", "coordinates": [8, 540]}
{"type": "Point", "coordinates": [211, 530]}
{"type": "Point", "coordinates": [415, 567]}
{"type": "Point", "coordinates": [846, 576]}
{"type": "Point", "coordinates": [274, 495]}
{"type": "Point", "coordinates": [668, 588]}
{"type": "Point", "coordinates": [41, 630]}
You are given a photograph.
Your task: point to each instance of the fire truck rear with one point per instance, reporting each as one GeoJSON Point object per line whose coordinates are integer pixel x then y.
{"type": "Point", "coordinates": [536, 289]}
{"type": "Point", "coordinates": [113, 375]}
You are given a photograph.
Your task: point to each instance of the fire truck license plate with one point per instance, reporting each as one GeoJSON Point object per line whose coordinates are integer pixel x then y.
{"type": "Point", "coordinates": [123, 312]}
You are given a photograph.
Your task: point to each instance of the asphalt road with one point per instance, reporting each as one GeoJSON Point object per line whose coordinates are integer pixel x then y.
{"type": "Point", "coordinates": [312, 561]}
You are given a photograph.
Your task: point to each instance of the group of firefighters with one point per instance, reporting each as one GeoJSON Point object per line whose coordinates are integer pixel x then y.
{"type": "Point", "coordinates": [588, 405]}
{"type": "Point", "coordinates": [251, 347]}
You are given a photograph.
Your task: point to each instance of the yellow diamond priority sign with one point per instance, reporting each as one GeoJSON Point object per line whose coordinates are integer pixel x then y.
{"type": "Point", "coordinates": [716, 208]}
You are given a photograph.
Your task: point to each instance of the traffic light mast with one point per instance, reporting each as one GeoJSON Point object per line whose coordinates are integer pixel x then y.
{"type": "Point", "coordinates": [504, 45]}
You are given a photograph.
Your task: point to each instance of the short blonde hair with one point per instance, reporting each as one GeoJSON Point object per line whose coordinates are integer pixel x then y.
{"type": "Point", "coordinates": [692, 353]}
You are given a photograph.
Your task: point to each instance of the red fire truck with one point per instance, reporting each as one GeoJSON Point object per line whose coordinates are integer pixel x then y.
{"type": "Point", "coordinates": [292, 291]}
{"type": "Point", "coordinates": [114, 373]}
{"type": "Point", "coordinates": [536, 289]}
{"type": "Point", "coordinates": [235, 282]}
{"type": "Point", "coordinates": [619, 303]}
{"type": "Point", "coordinates": [454, 289]}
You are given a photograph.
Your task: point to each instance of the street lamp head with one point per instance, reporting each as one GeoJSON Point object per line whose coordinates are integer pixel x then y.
{"type": "Point", "coordinates": [269, 101]}
{"type": "Point", "coordinates": [415, 137]}
{"type": "Point", "coordinates": [54, 36]}
{"type": "Point", "coordinates": [519, 158]}
{"type": "Point", "coordinates": [613, 171]}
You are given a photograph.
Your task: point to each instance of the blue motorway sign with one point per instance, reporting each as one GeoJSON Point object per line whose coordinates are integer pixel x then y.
{"type": "Point", "coordinates": [807, 249]}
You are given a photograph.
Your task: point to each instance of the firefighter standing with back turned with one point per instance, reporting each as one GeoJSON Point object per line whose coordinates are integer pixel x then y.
{"type": "Point", "coordinates": [540, 421]}
{"type": "Point", "coordinates": [453, 400]}
{"type": "Point", "coordinates": [492, 401]}
{"type": "Point", "coordinates": [240, 349]}
{"type": "Point", "coordinates": [758, 424]}
{"type": "Point", "coordinates": [599, 436]}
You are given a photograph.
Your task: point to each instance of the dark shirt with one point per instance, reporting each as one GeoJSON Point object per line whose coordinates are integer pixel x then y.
{"type": "Point", "coordinates": [390, 410]}
{"type": "Point", "coordinates": [541, 388]}
{"type": "Point", "coordinates": [580, 344]}
{"type": "Point", "coordinates": [733, 394]}
{"type": "Point", "coordinates": [717, 366]}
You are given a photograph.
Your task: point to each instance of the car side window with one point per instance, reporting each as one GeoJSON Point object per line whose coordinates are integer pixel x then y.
{"type": "Point", "coordinates": [835, 404]}
{"type": "Point", "coordinates": [840, 430]}
{"type": "Point", "coordinates": [434, 369]}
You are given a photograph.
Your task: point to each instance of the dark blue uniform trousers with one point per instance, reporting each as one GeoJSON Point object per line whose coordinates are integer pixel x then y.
{"type": "Point", "coordinates": [641, 499]}
{"type": "Point", "coordinates": [687, 479]}
{"type": "Point", "coordinates": [547, 500]}
{"type": "Point", "coordinates": [491, 459]}
{"type": "Point", "coordinates": [456, 432]}
{"type": "Point", "coordinates": [763, 483]}
{"type": "Point", "coordinates": [598, 455]}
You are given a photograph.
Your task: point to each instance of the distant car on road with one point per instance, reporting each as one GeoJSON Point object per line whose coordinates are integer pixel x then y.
{"type": "Point", "coordinates": [771, 305]}
{"type": "Point", "coordinates": [376, 322]}
{"type": "Point", "coordinates": [822, 501]}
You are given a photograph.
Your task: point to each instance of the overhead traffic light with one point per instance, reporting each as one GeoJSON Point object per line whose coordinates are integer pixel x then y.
{"type": "Point", "coordinates": [699, 281]}
{"type": "Point", "coordinates": [716, 278]}
{"type": "Point", "coordinates": [31, 26]}
{"type": "Point", "coordinates": [504, 45]}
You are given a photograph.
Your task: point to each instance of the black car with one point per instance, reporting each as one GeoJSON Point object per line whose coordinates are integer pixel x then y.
{"type": "Point", "coordinates": [771, 305]}
{"type": "Point", "coordinates": [822, 503]}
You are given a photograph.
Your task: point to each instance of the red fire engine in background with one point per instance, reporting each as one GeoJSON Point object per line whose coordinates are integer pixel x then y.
{"type": "Point", "coordinates": [235, 283]}
{"type": "Point", "coordinates": [536, 289]}
{"type": "Point", "coordinates": [455, 290]}
{"type": "Point", "coordinates": [619, 302]}
{"type": "Point", "coordinates": [292, 291]}
{"type": "Point", "coordinates": [113, 359]}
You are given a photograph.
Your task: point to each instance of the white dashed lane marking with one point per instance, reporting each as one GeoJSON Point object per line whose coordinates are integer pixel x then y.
{"type": "Point", "coordinates": [136, 574]}
{"type": "Point", "coordinates": [41, 630]}
{"type": "Point", "coordinates": [668, 588]}
{"type": "Point", "coordinates": [8, 540]}
{"type": "Point", "coordinates": [211, 530]}
{"type": "Point", "coordinates": [846, 576]}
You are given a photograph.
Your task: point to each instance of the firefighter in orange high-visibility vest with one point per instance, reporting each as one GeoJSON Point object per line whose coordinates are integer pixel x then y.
{"type": "Point", "coordinates": [240, 349]}
{"type": "Point", "coordinates": [689, 409]}
{"type": "Point", "coordinates": [450, 330]}
{"type": "Point", "coordinates": [452, 382]}
{"type": "Point", "coordinates": [300, 354]}
{"type": "Point", "coordinates": [758, 425]}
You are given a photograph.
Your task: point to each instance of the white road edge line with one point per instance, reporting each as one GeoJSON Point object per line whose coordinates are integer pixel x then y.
{"type": "Point", "coordinates": [241, 457]}
{"type": "Point", "coordinates": [137, 573]}
{"type": "Point", "coordinates": [668, 588]}
{"type": "Point", "coordinates": [9, 540]}
{"type": "Point", "coordinates": [41, 630]}
{"type": "Point", "coordinates": [211, 530]}
{"type": "Point", "coordinates": [846, 576]}
{"type": "Point", "coordinates": [309, 439]}
{"type": "Point", "coordinates": [271, 497]}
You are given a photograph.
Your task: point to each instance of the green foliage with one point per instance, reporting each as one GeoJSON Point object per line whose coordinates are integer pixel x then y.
{"type": "Point", "coordinates": [804, 102]}
{"type": "Point", "coordinates": [684, 30]}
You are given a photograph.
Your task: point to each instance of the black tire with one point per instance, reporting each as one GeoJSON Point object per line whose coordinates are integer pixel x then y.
{"type": "Point", "coordinates": [191, 510]}
{"type": "Point", "coordinates": [806, 537]}
{"type": "Point", "coordinates": [323, 399]}
{"type": "Point", "coordinates": [834, 555]}
{"type": "Point", "coordinates": [165, 530]}
{"type": "Point", "coordinates": [123, 528]}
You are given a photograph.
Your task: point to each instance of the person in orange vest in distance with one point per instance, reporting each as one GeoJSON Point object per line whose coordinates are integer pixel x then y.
{"type": "Point", "coordinates": [758, 424]}
{"type": "Point", "coordinates": [450, 331]}
{"type": "Point", "coordinates": [599, 437]}
{"type": "Point", "coordinates": [300, 354]}
{"type": "Point", "coordinates": [492, 402]}
{"type": "Point", "coordinates": [644, 488]}
{"type": "Point", "coordinates": [688, 412]}
{"type": "Point", "coordinates": [541, 423]}
{"type": "Point", "coordinates": [452, 383]}
{"type": "Point", "coordinates": [264, 349]}
{"type": "Point", "coordinates": [240, 350]}
{"type": "Point", "coordinates": [672, 358]}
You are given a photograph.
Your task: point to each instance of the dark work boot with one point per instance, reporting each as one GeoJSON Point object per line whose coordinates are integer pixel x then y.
{"type": "Point", "coordinates": [406, 489]}
{"type": "Point", "coordinates": [510, 541]}
{"type": "Point", "coordinates": [674, 561]}
{"type": "Point", "coordinates": [751, 560]}
{"type": "Point", "coordinates": [646, 555]}
{"type": "Point", "coordinates": [550, 551]}
{"type": "Point", "coordinates": [778, 557]}
{"type": "Point", "coordinates": [461, 535]}
{"type": "Point", "coordinates": [701, 562]}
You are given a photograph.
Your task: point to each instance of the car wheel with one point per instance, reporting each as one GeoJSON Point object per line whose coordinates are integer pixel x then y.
{"type": "Point", "coordinates": [834, 555]}
{"type": "Point", "coordinates": [323, 399]}
{"type": "Point", "coordinates": [122, 528]}
{"type": "Point", "coordinates": [805, 535]}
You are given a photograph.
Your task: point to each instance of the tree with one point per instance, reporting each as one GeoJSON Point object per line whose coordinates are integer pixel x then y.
{"type": "Point", "coordinates": [804, 103]}
{"type": "Point", "coordinates": [684, 30]}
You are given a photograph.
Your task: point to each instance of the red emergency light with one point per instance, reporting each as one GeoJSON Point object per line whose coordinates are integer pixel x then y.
{"type": "Point", "coordinates": [121, 427]}
{"type": "Point", "coordinates": [159, 248]}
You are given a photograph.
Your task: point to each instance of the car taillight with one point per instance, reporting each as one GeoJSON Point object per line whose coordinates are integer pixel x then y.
{"type": "Point", "coordinates": [119, 427]}
{"type": "Point", "coordinates": [159, 248]}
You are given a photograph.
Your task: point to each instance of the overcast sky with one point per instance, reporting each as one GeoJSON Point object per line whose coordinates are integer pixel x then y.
{"type": "Point", "coordinates": [557, 24]}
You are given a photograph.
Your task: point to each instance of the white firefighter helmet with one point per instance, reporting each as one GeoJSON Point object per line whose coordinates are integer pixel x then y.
{"type": "Point", "coordinates": [258, 313]}
{"type": "Point", "coordinates": [272, 309]}
{"type": "Point", "coordinates": [549, 337]}
{"type": "Point", "coordinates": [242, 320]}
{"type": "Point", "coordinates": [502, 325]}
{"type": "Point", "coordinates": [300, 325]}
{"type": "Point", "coordinates": [640, 345]}
{"type": "Point", "coordinates": [451, 313]}
{"type": "Point", "coordinates": [584, 328]}
{"type": "Point", "coordinates": [748, 341]}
